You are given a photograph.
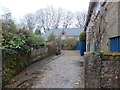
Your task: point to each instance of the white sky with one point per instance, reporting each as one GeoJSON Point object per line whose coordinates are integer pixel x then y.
{"type": "Point", "coordinates": [19, 8]}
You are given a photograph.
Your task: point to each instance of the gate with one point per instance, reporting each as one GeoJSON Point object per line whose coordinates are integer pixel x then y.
{"type": "Point", "coordinates": [82, 47]}
{"type": "Point", "coordinates": [77, 45]}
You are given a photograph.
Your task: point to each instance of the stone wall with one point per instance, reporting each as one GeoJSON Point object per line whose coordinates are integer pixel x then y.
{"type": "Point", "coordinates": [110, 72]}
{"type": "Point", "coordinates": [13, 64]}
{"type": "Point", "coordinates": [112, 19]}
{"type": "Point", "coordinates": [102, 71]}
{"type": "Point", "coordinates": [92, 71]}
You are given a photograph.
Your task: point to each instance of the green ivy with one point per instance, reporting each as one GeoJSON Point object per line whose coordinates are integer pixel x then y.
{"type": "Point", "coordinates": [82, 36]}
{"type": "Point", "coordinates": [16, 43]}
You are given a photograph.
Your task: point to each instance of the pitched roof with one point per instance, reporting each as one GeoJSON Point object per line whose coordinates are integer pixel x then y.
{"type": "Point", "coordinates": [69, 31]}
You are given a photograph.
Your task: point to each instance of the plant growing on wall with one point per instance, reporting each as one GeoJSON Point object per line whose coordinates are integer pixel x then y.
{"type": "Point", "coordinates": [16, 47]}
{"type": "Point", "coordinates": [99, 25]}
{"type": "Point", "coordinates": [100, 28]}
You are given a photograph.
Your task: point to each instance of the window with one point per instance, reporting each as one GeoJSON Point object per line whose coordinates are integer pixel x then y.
{"type": "Point", "coordinates": [62, 37]}
{"type": "Point", "coordinates": [63, 33]}
{"type": "Point", "coordinates": [115, 44]}
{"type": "Point", "coordinates": [95, 46]}
{"type": "Point", "coordinates": [88, 47]}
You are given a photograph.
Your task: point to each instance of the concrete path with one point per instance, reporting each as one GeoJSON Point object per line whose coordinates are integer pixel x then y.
{"type": "Point", "coordinates": [64, 71]}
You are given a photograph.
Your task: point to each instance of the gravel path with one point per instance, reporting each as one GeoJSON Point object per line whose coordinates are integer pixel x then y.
{"type": "Point", "coordinates": [64, 71]}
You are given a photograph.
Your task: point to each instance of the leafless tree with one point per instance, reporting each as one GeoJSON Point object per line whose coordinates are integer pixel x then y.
{"type": "Point", "coordinates": [99, 26]}
{"type": "Point", "coordinates": [102, 24]}
{"type": "Point", "coordinates": [49, 17]}
{"type": "Point", "coordinates": [68, 19]}
{"type": "Point", "coordinates": [58, 18]}
{"type": "Point", "coordinates": [21, 24]}
{"type": "Point", "coordinates": [6, 14]}
{"type": "Point", "coordinates": [38, 30]}
{"type": "Point", "coordinates": [80, 18]}
{"type": "Point", "coordinates": [40, 17]}
{"type": "Point", "coordinates": [30, 21]}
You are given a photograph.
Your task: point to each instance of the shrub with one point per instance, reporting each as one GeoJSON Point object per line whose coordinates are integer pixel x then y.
{"type": "Point", "coordinates": [52, 48]}
{"type": "Point", "coordinates": [16, 47]}
{"type": "Point", "coordinates": [69, 44]}
{"type": "Point", "coordinates": [82, 36]}
{"type": "Point", "coordinates": [51, 37]}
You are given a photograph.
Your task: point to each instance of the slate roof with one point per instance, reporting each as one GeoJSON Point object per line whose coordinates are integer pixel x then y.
{"type": "Point", "coordinates": [69, 31]}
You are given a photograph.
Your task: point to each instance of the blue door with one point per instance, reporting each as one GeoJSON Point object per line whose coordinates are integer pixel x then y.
{"type": "Point", "coordinates": [88, 47]}
{"type": "Point", "coordinates": [77, 46]}
{"type": "Point", "coordinates": [95, 46]}
{"type": "Point", "coordinates": [115, 44]}
{"type": "Point", "coordinates": [82, 48]}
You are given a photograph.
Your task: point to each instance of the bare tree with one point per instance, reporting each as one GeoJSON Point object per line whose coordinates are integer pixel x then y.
{"type": "Point", "coordinates": [68, 19]}
{"type": "Point", "coordinates": [38, 30]}
{"type": "Point", "coordinates": [21, 24]}
{"type": "Point", "coordinates": [80, 18]}
{"type": "Point", "coordinates": [49, 18]}
{"type": "Point", "coordinates": [40, 17]}
{"type": "Point", "coordinates": [6, 14]}
{"type": "Point", "coordinates": [43, 19]}
{"type": "Point", "coordinates": [102, 24]}
{"type": "Point", "coordinates": [99, 26]}
{"type": "Point", "coordinates": [30, 21]}
{"type": "Point", "coordinates": [58, 17]}
{"type": "Point", "coordinates": [50, 14]}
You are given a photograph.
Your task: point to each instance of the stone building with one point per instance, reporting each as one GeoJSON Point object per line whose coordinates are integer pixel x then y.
{"type": "Point", "coordinates": [66, 37]}
{"type": "Point", "coordinates": [64, 33]}
{"type": "Point", "coordinates": [103, 26]}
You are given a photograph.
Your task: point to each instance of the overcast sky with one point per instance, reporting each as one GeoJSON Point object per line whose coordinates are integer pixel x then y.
{"type": "Point", "coordinates": [19, 8]}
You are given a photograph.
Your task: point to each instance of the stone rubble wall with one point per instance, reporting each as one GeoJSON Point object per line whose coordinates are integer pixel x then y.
{"type": "Point", "coordinates": [102, 72]}
{"type": "Point", "coordinates": [14, 64]}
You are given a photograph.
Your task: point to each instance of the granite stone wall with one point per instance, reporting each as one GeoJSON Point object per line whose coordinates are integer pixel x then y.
{"type": "Point", "coordinates": [13, 64]}
{"type": "Point", "coordinates": [92, 71]}
{"type": "Point", "coordinates": [102, 71]}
